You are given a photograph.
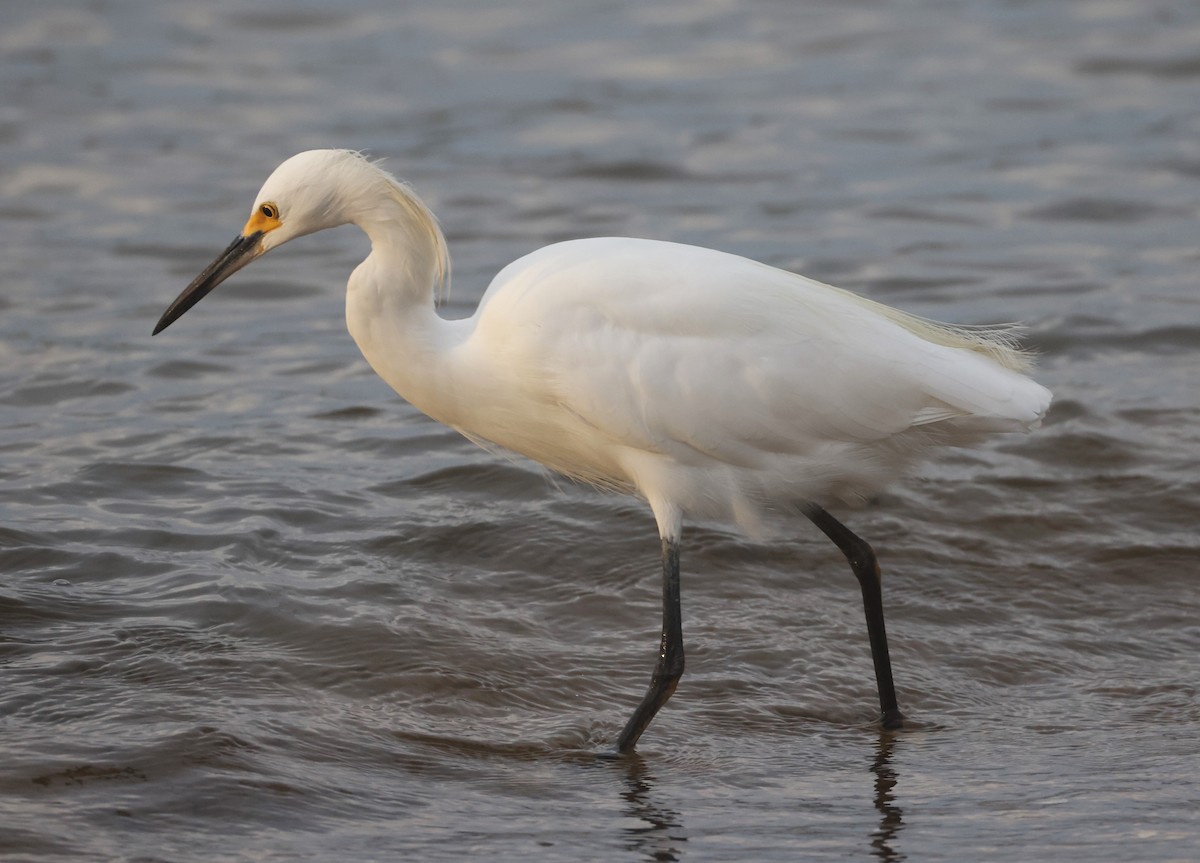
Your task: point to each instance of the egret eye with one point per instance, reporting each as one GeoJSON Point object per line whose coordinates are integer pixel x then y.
{"type": "Point", "coordinates": [270, 211]}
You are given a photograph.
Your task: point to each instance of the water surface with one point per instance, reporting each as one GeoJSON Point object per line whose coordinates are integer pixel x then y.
{"type": "Point", "coordinates": [255, 607]}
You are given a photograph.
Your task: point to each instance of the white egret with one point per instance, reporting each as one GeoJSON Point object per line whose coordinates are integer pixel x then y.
{"type": "Point", "coordinates": [710, 385]}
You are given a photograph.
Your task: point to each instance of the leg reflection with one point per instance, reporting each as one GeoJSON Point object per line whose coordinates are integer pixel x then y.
{"type": "Point", "coordinates": [654, 832]}
{"type": "Point", "coordinates": [891, 818]}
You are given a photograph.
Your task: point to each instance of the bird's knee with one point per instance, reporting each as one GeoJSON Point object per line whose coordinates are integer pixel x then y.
{"type": "Point", "coordinates": [674, 669]}
{"type": "Point", "coordinates": [670, 666]}
{"type": "Point", "coordinates": [864, 563]}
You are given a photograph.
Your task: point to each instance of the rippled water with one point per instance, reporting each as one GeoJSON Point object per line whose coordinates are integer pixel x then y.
{"type": "Point", "coordinates": [253, 606]}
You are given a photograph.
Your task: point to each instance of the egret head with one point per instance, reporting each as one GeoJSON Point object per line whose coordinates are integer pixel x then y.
{"type": "Point", "coordinates": [309, 192]}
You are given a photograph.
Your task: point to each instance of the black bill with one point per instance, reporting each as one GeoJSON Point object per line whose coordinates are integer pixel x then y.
{"type": "Point", "coordinates": [241, 251]}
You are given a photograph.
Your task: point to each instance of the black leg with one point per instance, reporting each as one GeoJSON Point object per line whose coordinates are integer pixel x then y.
{"type": "Point", "coordinates": [866, 569]}
{"type": "Point", "coordinates": [670, 654]}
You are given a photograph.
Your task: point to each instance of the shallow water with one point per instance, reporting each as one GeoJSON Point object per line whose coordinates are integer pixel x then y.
{"type": "Point", "coordinates": [254, 606]}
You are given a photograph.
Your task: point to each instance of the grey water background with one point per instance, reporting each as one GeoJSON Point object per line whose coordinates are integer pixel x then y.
{"type": "Point", "coordinates": [255, 607]}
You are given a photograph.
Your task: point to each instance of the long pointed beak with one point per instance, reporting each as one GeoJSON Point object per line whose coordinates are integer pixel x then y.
{"type": "Point", "coordinates": [241, 251]}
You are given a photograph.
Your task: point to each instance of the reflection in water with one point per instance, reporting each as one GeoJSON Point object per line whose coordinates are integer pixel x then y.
{"type": "Point", "coordinates": [661, 830]}
{"type": "Point", "coordinates": [891, 818]}
{"type": "Point", "coordinates": [658, 833]}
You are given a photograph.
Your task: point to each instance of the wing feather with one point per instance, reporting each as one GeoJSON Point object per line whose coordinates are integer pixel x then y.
{"type": "Point", "coordinates": [703, 356]}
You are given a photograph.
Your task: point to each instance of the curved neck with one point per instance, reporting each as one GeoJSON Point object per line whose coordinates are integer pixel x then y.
{"type": "Point", "coordinates": [407, 244]}
{"type": "Point", "coordinates": [390, 301]}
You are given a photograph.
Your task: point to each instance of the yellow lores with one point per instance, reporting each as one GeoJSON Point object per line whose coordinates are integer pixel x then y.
{"type": "Point", "coordinates": [265, 219]}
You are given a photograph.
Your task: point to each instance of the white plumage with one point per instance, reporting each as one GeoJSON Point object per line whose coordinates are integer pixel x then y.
{"type": "Point", "coordinates": [711, 385]}
{"type": "Point", "coordinates": [717, 382]}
